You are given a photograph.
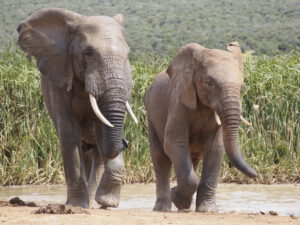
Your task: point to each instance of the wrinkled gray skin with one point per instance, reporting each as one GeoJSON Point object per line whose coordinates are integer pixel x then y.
{"type": "Point", "coordinates": [180, 108]}
{"type": "Point", "coordinates": [79, 55]}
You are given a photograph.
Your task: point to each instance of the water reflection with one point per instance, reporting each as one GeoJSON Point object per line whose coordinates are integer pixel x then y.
{"type": "Point", "coordinates": [284, 199]}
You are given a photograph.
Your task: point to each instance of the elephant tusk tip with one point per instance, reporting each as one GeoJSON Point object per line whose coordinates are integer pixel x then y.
{"type": "Point", "coordinates": [217, 118]}
{"type": "Point", "coordinates": [136, 121]}
{"type": "Point", "coordinates": [129, 110]}
{"type": "Point", "coordinates": [110, 125]}
{"type": "Point", "coordinates": [245, 121]}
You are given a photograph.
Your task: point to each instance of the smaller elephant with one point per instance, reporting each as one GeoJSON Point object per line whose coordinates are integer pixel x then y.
{"type": "Point", "coordinates": [193, 113]}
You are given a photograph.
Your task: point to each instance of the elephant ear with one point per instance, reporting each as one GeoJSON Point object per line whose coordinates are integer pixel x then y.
{"type": "Point", "coordinates": [127, 73]}
{"type": "Point", "coordinates": [181, 73]}
{"type": "Point", "coordinates": [235, 49]}
{"type": "Point", "coordinates": [119, 18]}
{"type": "Point", "coordinates": [45, 35]}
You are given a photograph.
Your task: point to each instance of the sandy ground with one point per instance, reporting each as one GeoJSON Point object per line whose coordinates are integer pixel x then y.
{"type": "Point", "coordinates": [25, 215]}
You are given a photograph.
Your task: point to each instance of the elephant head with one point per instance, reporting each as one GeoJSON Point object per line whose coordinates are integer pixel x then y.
{"type": "Point", "coordinates": [213, 78]}
{"type": "Point", "coordinates": [88, 54]}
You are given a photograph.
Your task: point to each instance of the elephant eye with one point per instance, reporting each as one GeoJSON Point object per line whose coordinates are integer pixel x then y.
{"type": "Point", "coordinates": [209, 82]}
{"type": "Point", "coordinates": [88, 53]}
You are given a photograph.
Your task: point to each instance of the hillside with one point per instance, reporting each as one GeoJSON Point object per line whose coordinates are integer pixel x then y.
{"type": "Point", "coordinates": [156, 26]}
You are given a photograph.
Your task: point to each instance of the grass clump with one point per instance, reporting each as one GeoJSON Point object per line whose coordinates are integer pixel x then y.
{"type": "Point", "coordinates": [137, 157]}
{"type": "Point", "coordinates": [30, 153]}
{"type": "Point", "coordinates": [272, 102]}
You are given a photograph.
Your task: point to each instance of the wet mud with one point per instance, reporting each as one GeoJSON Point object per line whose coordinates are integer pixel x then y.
{"type": "Point", "coordinates": [17, 211]}
{"type": "Point", "coordinates": [272, 200]}
{"type": "Point", "coordinates": [58, 214]}
{"type": "Point", "coordinates": [48, 209]}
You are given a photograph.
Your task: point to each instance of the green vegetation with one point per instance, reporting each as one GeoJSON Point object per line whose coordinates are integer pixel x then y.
{"type": "Point", "coordinates": [29, 150]}
{"type": "Point", "coordinates": [156, 26]}
{"type": "Point", "coordinates": [271, 101]}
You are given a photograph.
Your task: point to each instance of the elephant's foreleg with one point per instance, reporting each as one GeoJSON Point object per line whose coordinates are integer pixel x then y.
{"type": "Point", "coordinates": [206, 193]}
{"type": "Point", "coordinates": [67, 129]}
{"type": "Point", "coordinates": [162, 166]}
{"type": "Point", "coordinates": [187, 181]}
{"type": "Point", "coordinates": [77, 193]}
{"type": "Point", "coordinates": [108, 192]}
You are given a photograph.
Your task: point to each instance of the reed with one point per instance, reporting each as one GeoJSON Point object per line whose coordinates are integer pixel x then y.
{"type": "Point", "coordinates": [29, 150]}
{"type": "Point", "coordinates": [271, 100]}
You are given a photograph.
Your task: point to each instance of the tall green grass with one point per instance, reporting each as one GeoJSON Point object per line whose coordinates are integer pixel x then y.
{"type": "Point", "coordinates": [29, 150]}
{"type": "Point", "coordinates": [138, 161]}
{"type": "Point", "coordinates": [273, 143]}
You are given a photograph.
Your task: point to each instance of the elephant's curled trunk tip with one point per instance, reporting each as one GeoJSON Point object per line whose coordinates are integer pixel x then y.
{"type": "Point", "coordinates": [239, 163]}
{"type": "Point", "coordinates": [230, 129]}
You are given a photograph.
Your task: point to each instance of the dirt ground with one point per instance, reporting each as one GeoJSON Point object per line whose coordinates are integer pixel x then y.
{"type": "Point", "coordinates": [27, 215]}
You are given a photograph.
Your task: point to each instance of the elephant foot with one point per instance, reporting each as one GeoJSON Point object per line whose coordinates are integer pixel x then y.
{"type": "Point", "coordinates": [207, 206]}
{"type": "Point", "coordinates": [206, 198]}
{"type": "Point", "coordinates": [184, 210]}
{"type": "Point", "coordinates": [78, 198]}
{"type": "Point", "coordinates": [182, 202]}
{"type": "Point", "coordinates": [83, 203]}
{"type": "Point", "coordinates": [163, 205]}
{"type": "Point", "coordinates": [108, 199]}
{"type": "Point", "coordinates": [93, 204]}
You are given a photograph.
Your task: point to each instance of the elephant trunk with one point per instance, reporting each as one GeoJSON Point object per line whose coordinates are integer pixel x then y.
{"type": "Point", "coordinates": [105, 81]}
{"type": "Point", "coordinates": [230, 118]}
{"type": "Point", "coordinates": [113, 108]}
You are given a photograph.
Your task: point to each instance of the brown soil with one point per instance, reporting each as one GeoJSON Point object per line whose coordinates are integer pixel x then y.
{"type": "Point", "coordinates": [57, 214]}
{"type": "Point", "coordinates": [60, 209]}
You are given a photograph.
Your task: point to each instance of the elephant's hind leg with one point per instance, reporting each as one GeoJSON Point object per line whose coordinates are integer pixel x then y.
{"type": "Point", "coordinates": [162, 166]}
{"type": "Point", "coordinates": [196, 157]}
{"type": "Point", "coordinates": [206, 193]}
{"type": "Point", "coordinates": [87, 156]}
{"type": "Point", "coordinates": [94, 168]}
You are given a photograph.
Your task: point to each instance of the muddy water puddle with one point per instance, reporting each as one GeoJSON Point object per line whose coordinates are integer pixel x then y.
{"type": "Point", "coordinates": [283, 199]}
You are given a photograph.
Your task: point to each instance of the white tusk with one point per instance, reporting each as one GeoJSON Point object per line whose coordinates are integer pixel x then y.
{"type": "Point", "coordinates": [217, 118]}
{"type": "Point", "coordinates": [98, 112]}
{"type": "Point", "coordinates": [131, 113]}
{"type": "Point", "coordinates": [245, 121]}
